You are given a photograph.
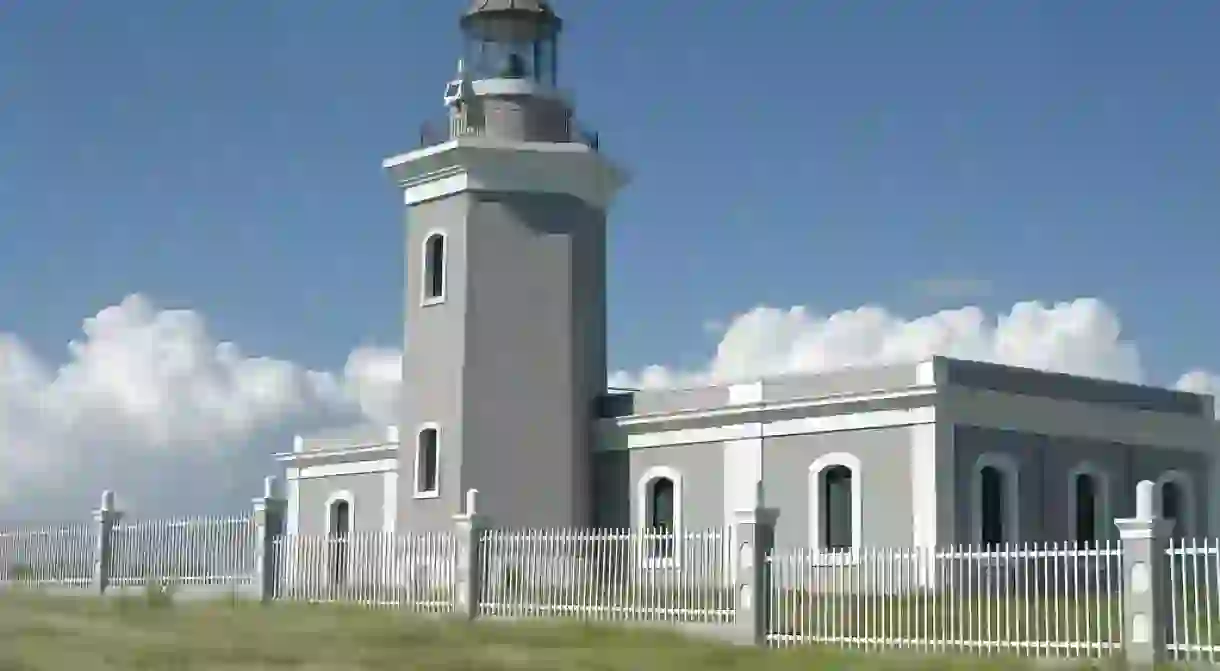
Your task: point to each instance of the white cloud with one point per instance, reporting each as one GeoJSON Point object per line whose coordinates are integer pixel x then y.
{"type": "Point", "coordinates": [1082, 337]}
{"type": "Point", "coordinates": [151, 404]}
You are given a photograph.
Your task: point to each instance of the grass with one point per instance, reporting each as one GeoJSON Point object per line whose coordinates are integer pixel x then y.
{"type": "Point", "coordinates": [151, 633]}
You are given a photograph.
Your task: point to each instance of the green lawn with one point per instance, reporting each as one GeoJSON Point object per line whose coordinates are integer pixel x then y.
{"type": "Point", "coordinates": [134, 634]}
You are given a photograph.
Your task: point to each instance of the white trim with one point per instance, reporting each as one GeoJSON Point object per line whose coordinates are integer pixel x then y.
{"type": "Point", "coordinates": [641, 514]}
{"type": "Point", "coordinates": [350, 468]}
{"type": "Point", "coordinates": [787, 427]}
{"type": "Point", "coordinates": [1183, 528]}
{"type": "Point", "coordinates": [924, 498]}
{"type": "Point", "coordinates": [1102, 521]}
{"type": "Point", "coordinates": [1008, 465]}
{"type": "Point", "coordinates": [498, 165]}
{"type": "Point", "coordinates": [436, 490]}
{"type": "Point", "coordinates": [293, 523]}
{"type": "Point", "coordinates": [353, 454]}
{"type": "Point", "coordinates": [345, 496]}
{"type": "Point", "coordinates": [732, 414]}
{"type": "Point", "coordinates": [850, 422]}
{"type": "Point", "coordinates": [425, 283]}
{"type": "Point", "coordinates": [814, 488]}
{"type": "Point", "coordinates": [954, 405]}
{"type": "Point", "coordinates": [742, 459]}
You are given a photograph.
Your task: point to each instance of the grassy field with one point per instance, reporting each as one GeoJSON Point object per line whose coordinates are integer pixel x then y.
{"type": "Point", "coordinates": [136, 634]}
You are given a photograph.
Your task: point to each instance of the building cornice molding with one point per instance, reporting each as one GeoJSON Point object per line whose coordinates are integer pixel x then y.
{"type": "Point", "coordinates": [491, 165]}
{"type": "Point", "coordinates": [344, 455]}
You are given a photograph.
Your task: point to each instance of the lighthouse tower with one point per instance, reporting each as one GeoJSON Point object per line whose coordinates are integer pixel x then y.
{"type": "Point", "coordinates": [505, 320]}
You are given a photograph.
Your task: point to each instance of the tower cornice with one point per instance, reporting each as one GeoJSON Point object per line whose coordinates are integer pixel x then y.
{"type": "Point", "coordinates": [488, 164]}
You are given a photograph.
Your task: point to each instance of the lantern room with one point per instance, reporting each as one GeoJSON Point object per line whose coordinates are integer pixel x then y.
{"type": "Point", "coordinates": [512, 39]}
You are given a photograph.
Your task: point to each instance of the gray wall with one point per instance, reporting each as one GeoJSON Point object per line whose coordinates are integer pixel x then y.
{"type": "Point", "coordinates": [512, 363]}
{"type": "Point", "coordinates": [1045, 463]}
{"type": "Point", "coordinates": [368, 499]}
{"type": "Point", "coordinates": [617, 475]}
{"type": "Point", "coordinates": [885, 481]}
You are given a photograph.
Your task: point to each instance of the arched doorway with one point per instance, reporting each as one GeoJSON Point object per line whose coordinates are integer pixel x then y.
{"type": "Point", "coordinates": [340, 515]}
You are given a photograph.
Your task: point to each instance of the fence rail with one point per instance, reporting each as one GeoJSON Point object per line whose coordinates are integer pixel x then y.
{"type": "Point", "coordinates": [61, 556]}
{"type": "Point", "coordinates": [415, 572]}
{"type": "Point", "coordinates": [608, 575]}
{"type": "Point", "coordinates": [1193, 573]}
{"type": "Point", "coordinates": [191, 551]}
{"type": "Point", "coordinates": [1046, 600]}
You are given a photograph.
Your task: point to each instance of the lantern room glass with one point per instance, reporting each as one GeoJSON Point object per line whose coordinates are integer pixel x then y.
{"type": "Point", "coordinates": [512, 47]}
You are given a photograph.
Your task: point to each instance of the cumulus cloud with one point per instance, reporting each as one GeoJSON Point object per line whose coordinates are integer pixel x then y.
{"type": "Point", "coordinates": [1082, 337]}
{"type": "Point", "coordinates": [152, 404]}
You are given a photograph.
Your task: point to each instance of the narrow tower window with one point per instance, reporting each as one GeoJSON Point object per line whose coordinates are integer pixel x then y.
{"type": "Point", "coordinates": [434, 267]}
{"type": "Point", "coordinates": [426, 470]}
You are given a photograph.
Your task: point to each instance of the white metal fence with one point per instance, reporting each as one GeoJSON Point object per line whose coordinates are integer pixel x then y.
{"type": "Point", "coordinates": [61, 556]}
{"type": "Point", "coordinates": [415, 572]}
{"type": "Point", "coordinates": [608, 575]}
{"type": "Point", "coordinates": [1043, 600]}
{"type": "Point", "coordinates": [192, 551]}
{"type": "Point", "coordinates": [1193, 574]}
{"type": "Point", "coordinates": [1038, 600]}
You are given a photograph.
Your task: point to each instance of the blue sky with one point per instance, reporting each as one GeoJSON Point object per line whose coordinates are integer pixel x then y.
{"type": "Point", "coordinates": [224, 156]}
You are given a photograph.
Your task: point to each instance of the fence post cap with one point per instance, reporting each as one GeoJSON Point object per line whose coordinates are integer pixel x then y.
{"type": "Point", "coordinates": [1146, 504]}
{"type": "Point", "coordinates": [271, 487]}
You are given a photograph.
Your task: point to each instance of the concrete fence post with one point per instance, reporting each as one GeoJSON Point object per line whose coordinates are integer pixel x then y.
{"type": "Point", "coordinates": [1145, 539]}
{"type": "Point", "coordinates": [107, 516]}
{"type": "Point", "coordinates": [469, 527]}
{"type": "Point", "coordinates": [753, 539]}
{"type": "Point", "coordinates": [269, 513]}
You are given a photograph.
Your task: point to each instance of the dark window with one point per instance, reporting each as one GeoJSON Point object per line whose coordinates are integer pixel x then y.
{"type": "Point", "coordinates": [1172, 505]}
{"type": "Point", "coordinates": [426, 461]}
{"type": "Point", "coordinates": [994, 504]}
{"type": "Point", "coordinates": [340, 526]}
{"type": "Point", "coordinates": [1086, 508]}
{"type": "Point", "coordinates": [661, 517]}
{"type": "Point", "coordinates": [836, 502]}
{"type": "Point", "coordinates": [434, 266]}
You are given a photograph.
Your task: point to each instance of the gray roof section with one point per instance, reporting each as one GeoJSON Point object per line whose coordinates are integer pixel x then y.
{"type": "Point", "coordinates": [948, 372]}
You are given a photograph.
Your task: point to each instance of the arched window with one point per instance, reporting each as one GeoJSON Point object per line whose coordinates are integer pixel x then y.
{"type": "Point", "coordinates": [1085, 494]}
{"type": "Point", "coordinates": [993, 505]}
{"type": "Point", "coordinates": [994, 492]}
{"type": "Point", "coordinates": [1177, 502]}
{"type": "Point", "coordinates": [434, 268]}
{"type": "Point", "coordinates": [427, 462]}
{"type": "Point", "coordinates": [658, 513]}
{"type": "Point", "coordinates": [1088, 512]}
{"type": "Point", "coordinates": [836, 508]}
{"type": "Point", "coordinates": [835, 502]}
{"type": "Point", "coordinates": [661, 516]}
{"type": "Point", "coordinates": [338, 529]}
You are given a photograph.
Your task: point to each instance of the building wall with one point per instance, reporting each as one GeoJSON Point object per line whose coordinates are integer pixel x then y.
{"type": "Point", "coordinates": [510, 365]}
{"type": "Point", "coordinates": [698, 470]}
{"type": "Point", "coordinates": [365, 494]}
{"type": "Point", "coordinates": [884, 481]}
{"type": "Point", "coordinates": [1045, 465]}
{"type": "Point", "coordinates": [432, 361]}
